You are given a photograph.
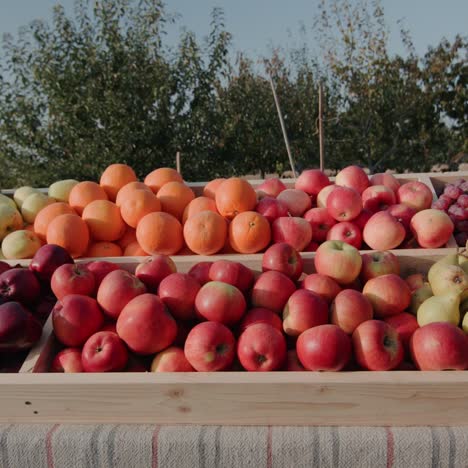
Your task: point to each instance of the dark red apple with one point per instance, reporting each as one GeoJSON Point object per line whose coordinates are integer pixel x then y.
{"type": "Point", "coordinates": [19, 284]}
{"type": "Point", "coordinates": [284, 258]}
{"type": "Point", "coordinates": [104, 352]}
{"type": "Point", "coordinates": [75, 318]}
{"type": "Point", "coordinates": [324, 348]}
{"type": "Point", "coordinates": [272, 290]}
{"type": "Point", "coordinates": [201, 272]}
{"type": "Point", "coordinates": [271, 208]}
{"type": "Point", "coordinates": [321, 222]}
{"type": "Point", "coordinates": [261, 348]}
{"type": "Point", "coordinates": [210, 346]}
{"type": "Point", "coordinates": [234, 273]}
{"type": "Point", "coordinates": [4, 266]}
{"type": "Point", "coordinates": [72, 279]}
{"type": "Point", "coordinates": [47, 259]}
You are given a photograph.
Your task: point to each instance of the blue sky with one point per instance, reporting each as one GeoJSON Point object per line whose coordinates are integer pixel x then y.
{"type": "Point", "coordinates": [257, 24]}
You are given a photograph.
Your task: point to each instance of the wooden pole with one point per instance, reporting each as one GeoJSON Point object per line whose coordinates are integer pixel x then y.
{"type": "Point", "coordinates": [283, 128]}
{"type": "Point", "coordinates": [178, 162]}
{"type": "Point", "coordinates": [322, 155]}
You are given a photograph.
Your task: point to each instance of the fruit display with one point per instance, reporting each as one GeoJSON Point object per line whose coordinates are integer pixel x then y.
{"type": "Point", "coordinates": [122, 216]}
{"type": "Point", "coordinates": [454, 201]}
{"type": "Point", "coordinates": [350, 311]}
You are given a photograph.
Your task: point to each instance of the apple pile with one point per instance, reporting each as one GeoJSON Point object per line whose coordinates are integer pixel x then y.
{"type": "Point", "coordinates": [353, 313]}
{"type": "Point", "coordinates": [454, 201]}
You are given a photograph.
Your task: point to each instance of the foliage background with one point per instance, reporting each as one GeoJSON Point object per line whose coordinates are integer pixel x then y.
{"type": "Point", "coordinates": [102, 86]}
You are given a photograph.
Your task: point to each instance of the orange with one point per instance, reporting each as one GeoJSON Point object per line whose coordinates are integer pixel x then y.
{"type": "Point", "coordinates": [209, 190]}
{"type": "Point", "coordinates": [249, 232]}
{"type": "Point", "coordinates": [129, 188]}
{"type": "Point", "coordinates": [174, 197]}
{"type": "Point", "coordinates": [47, 214]}
{"type": "Point", "coordinates": [84, 193]}
{"type": "Point", "coordinates": [103, 249]}
{"type": "Point", "coordinates": [205, 233]}
{"type": "Point", "coordinates": [138, 204]}
{"type": "Point", "coordinates": [156, 179]}
{"type": "Point", "coordinates": [104, 220]}
{"type": "Point", "coordinates": [198, 205]}
{"type": "Point", "coordinates": [160, 233]}
{"type": "Point", "coordinates": [115, 177]}
{"type": "Point", "coordinates": [70, 232]}
{"type": "Point", "coordinates": [234, 196]}
{"type": "Point", "coordinates": [134, 250]}
{"type": "Point", "coordinates": [128, 237]}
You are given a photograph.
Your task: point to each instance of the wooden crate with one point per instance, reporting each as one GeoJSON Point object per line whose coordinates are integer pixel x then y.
{"type": "Point", "coordinates": [236, 398]}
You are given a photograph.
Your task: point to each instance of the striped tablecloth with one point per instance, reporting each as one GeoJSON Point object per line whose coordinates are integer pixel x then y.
{"type": "Point", "coordinates": [127, 446]}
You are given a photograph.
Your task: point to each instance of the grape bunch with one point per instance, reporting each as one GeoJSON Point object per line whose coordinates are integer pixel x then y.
{"type": "Point", "coordinates": [454, 201]}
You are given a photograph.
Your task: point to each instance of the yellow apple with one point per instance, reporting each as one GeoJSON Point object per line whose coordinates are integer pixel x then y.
{"type": "Point", "coordinates": [61, 190]}
{"type": "Point", "coordinates": [22, 193]}
{"type": "Point", "coordinates": [7, 200]}
{"type": "Point", "coordinates": [33, 204]}
{"type": "Point", "coordinates": [20, 244]}
{"type": "Point", "coordinates": [10, 220]}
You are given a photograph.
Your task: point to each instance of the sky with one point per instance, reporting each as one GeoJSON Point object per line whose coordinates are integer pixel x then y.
{"type": "Point", "coordinates": [258, 24]}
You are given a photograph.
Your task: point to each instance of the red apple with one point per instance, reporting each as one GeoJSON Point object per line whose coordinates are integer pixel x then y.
{"type": "Point", "coordinates": [47, 259]}
{"type": "Point", "coordinates": [18, 328]}
{"type": "Point", "coordinates": [172, 359]}
{"type": "Point", "coordinates": [293, 230]}
{"type": "Point", "coordinates": [271, 208]}
{"type": "Point", "coordinates": [344, 204]}
{"type": "Point", "coordinates": [292, 363]}
{"type": "Point", "coordinates": [297, 201]}
{"type": "Point", "coordinates": [416, 195]}
{"type": "Point", "coordinates": [234, 273]}
{"type": "Point", "coordinates": [75, 318]}
{"type": "Point", "coordinates": [146, 325]}
{"type": "Point", "coordinates": [261, 348]}
{"type": "Point", "coordinates": [362, 219]}
{"type": "Point", "coordinates": [178, 292]}
{"type": "Point", "coordinates": [210, 346]}
{"type": "Point", "coordinates": [4, 267]}
{"type": "Point", "coordinates": [321, 222]}
{"type": "Point", "coordinates": [431, 228]}
{"type": "Point", "coordinates": [383, 232]}
{"type": "Point", "coordinates": [201, 272]}
{"type": "Point", "coordinates": [19, 284]}
{"type": "Point", "coordinates": [353, 177]}
{"type": "Point", "coordinates": [311, 247]}
{"type": "Point", "coordinates": [388, 294]}
{"type": "Point", "coordinates": [304, 310]}
{"type": "Point", "coordinates": [153, 270]}
{"type": "Point", "coordinates": [43, 308]}
{"type": "Point", "coordinates": [104, 352]}
{"type": "Point", "coordinates": [100, 269]}
{"type": "Point", "coordinates": [347, 232]}
{"type": "Point", "coordinates": [272, 290]}
{"type": "Point", "coordinates": [439, 346]}
{"type": "Point", "coordinates": [272, 187]}
{"type": "Point", "coordinates": [379, 263]}
{"type": "Point", "coordinates": [377, 346]}
{"type": "Point", "coordinates": [377, 198]}
{"type": "Point", "coordinates": [403, 214]}
{"type": "Point", "coordinates": [311, 181]}
{"type": "Point", "coordinates": [322, 285]}
{"type": "Point", "coordinates": [405, 324]}
{"type": "Point", "coordinates": [324, 348]}
{"type": "Point", "coordinates": [220, 302]}
{"type": "Point", "coordinates": [261, 315]}
{"type": "Point", "coordinates": [349, 309]}
{"type": "Point", "coordinates": [117, 289]}
{"type": "Point", "coordinates": [338, 260]}
{"type": "Point", "coordinates": [68, 360]}
{"type": "Point", "coordinates": [322, 196]}
{"type": "Point", "coordinates": [415, 281]}
{"type": "Point", "coordinates": [284, 258]}
{"type": "Point", "coordinates": [385, 179]}
{"type": "Point", "coordinates": [72, 279]}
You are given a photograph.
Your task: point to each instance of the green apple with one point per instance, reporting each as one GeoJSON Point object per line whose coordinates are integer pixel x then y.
{"type": "Point", "coordinates": [20, 244]}
{"type": "Point", "coordinates": [4, 200]}
{"type": "Point", "coordinates": [61, 189]}
{"type": "Point", "coordinates": [10, 220]}
{"type": "Point", "coordinates": [442, 308]}
{"type": "Point", "coordinates": [33, 204]}
{"type": "Point", "coordinates": [22, 193]}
